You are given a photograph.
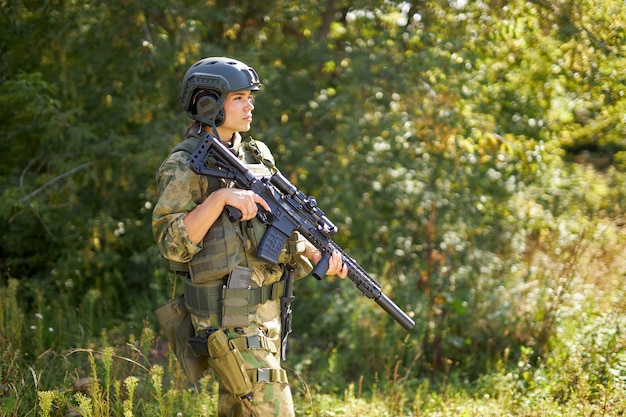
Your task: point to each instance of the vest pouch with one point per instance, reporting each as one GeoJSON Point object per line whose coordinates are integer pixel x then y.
{"type": "Point", "coordinates": [221, 252]}
{"type": "Point", "coordinates": [175, 321]}
{"type": "Point", "coordinates": [236, 298]}
{"type": "Point", "coordinates": [226, 361]}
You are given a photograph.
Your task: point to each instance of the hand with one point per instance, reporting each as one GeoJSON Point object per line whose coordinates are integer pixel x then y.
{"type": "Point", "coordinates": [245, 201]}
{"type": "Point", "coordinates": [335, 263]}
{"type": "Point", "coordinates": [336, 266]}
{"type": "Point", "coordinates": [199, 220]}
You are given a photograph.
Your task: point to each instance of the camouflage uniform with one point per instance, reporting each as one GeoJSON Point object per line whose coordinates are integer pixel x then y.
{"type": "Point", "coordinates": [180, 191]}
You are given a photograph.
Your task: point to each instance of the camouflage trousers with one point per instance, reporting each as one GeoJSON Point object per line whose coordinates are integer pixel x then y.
{"type": "Point", "coordinates": [271, 393]}
{"type": "Point", "coordinates": [272, 399]}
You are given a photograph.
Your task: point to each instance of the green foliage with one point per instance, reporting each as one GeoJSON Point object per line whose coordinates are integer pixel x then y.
{"type": "Point", "coordinates": [471, 153]}
{"type": "Point", "coordinates": [584, 371]}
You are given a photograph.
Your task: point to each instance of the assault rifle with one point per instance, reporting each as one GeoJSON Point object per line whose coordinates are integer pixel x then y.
{"type": "Point", "coordinates": [290, 210]}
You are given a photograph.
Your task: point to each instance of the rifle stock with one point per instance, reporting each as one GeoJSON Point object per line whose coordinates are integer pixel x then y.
{"type": "Point", "coordinates": [290, 210]}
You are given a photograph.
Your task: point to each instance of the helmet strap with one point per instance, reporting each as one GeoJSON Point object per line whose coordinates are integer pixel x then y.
{"type": "Point", "coordinates": [215, 133]}
{"type": "Point", "coordinates": [213, 128]}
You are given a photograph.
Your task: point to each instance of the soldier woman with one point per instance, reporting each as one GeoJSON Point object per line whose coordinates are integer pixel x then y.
{"type": "Point", "coordinates": [233, 296]}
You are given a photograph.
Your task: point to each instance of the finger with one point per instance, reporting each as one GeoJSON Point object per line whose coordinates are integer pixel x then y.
{"type": "Point", "coordinates": [342, 268]}
{"type": "Point", "coordinates": [337, 263]}
{"type": "Point", "coordinates": [252, 209]}
{"type": "Point", "coordinates": [316, 256]}
{"type": "Point", "coordinates": [259, 200]}
{"type": "Point", "coordinates": [248, 209]}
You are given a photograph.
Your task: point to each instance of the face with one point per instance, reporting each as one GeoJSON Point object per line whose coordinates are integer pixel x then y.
{"type": "Point", "coordinates": [238, 108]}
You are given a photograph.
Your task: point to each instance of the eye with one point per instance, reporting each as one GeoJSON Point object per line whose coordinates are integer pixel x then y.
{"type": "Point", "coordinates": [239, 97]}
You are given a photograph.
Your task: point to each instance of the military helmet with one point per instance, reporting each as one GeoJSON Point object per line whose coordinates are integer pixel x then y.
{"type": "Point", "coordinates": [206, 83]}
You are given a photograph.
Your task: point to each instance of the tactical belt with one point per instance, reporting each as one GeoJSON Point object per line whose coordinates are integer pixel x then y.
{"type": "Point", "coordinates": [205, 301]}
{"type": "Point", "coordinates": [268, 375]}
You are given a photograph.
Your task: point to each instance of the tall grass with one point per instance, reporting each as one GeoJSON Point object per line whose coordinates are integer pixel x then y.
{"type": "Point", "coordinates": [577, 369]}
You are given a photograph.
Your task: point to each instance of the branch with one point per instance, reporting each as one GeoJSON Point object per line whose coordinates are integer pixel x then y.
{"type": "Point", "coordinates": [55, 180]}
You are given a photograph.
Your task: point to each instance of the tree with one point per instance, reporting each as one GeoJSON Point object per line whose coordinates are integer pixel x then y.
{"type": "Point", "coordinates": [428, 131]}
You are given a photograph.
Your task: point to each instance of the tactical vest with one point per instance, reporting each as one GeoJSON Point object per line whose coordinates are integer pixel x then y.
{"type": "Point", "coordinates": [228, 244]}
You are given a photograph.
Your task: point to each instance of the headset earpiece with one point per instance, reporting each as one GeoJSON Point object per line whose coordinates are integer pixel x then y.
{"type": "Point", "coordinates": [209, 108]}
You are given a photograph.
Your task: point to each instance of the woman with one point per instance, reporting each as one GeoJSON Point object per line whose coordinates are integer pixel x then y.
{"type": "Point", "coordinates": [234, 297]}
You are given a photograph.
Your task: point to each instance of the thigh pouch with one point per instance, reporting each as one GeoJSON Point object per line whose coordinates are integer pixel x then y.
{"type": "Point", "coordinates": [228, 365]}
{"type": "Point", "coordinates": [224, 358]}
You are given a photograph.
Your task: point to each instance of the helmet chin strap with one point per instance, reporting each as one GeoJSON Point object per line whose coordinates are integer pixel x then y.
{"type": "Point", "coordinates": [217, 135]}
{"type": "Point", "coordinates": [214, 128]}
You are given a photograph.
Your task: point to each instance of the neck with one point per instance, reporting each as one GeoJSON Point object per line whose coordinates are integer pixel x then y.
{"type": "Point", "coordinates": [224, 135]}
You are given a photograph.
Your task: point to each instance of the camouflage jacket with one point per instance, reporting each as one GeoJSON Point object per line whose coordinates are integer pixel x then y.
{"type": "Point", "coordinates": [180, 190]}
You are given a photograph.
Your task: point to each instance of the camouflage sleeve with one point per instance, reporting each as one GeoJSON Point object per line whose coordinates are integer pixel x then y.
{"type": "Point", "coordinates": [179, 191]}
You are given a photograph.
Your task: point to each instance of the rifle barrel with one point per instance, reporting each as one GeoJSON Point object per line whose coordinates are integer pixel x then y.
{"type": "Point", "coordinates": [394, 311]}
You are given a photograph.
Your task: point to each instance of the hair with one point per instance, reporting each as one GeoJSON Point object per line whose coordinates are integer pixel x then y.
{"type": "Point", "coordinates": [193, 126]}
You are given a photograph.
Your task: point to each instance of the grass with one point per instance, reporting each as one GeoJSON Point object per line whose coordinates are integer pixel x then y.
{"type": "Point", "coordinates": [584, 375]}
{"type": "Point", "coordinates": [579, 370]}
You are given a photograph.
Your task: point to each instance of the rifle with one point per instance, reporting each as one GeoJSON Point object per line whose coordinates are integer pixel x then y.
{"type": "Point", "coordinates": [290, 210]}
